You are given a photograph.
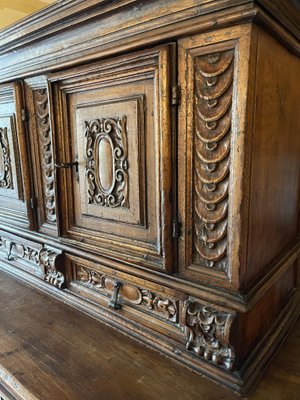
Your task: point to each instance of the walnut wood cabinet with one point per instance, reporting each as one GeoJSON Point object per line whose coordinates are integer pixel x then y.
{"type": "Point", "coordinates": [149, 171]}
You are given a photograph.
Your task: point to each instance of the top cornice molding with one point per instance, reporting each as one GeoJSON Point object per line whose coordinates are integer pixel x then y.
{"type": "Point", "coordinates": [64, 14]}
{"type": "Point", "coordinates": [105, 27]}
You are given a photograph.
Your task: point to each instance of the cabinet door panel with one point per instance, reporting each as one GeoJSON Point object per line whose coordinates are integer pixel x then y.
{"type": "Point", "coordinates": [211, 159]}
{"type": "Point", "coordinates": [115, 119]}
{"type": "Point", "coordinates": [15, 189]}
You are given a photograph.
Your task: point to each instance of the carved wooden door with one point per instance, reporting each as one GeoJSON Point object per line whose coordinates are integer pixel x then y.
{"type": "Point", "coordinates": [210, 162]}
{"type": "Point", "coordinates": [114, 156]}
{"type": "Point", "coordinates": [42, 150]}
{"type": "Point", "coordinates": [15, 186]}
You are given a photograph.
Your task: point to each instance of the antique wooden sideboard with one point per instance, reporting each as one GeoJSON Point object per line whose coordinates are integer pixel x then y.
{"type": "Point", "coordinates": [150, 171]}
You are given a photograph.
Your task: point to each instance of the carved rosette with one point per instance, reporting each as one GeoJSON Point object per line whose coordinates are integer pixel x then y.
{"type": "Point", "coordinates": [133, 294]}
{"type": "Point", "coordinates": [43, 260]}
{"type": "Point", "coordinates": [106, 162]}
{"type": "Point", "coordinates": [212, 127]}
{"type": "Point", "coordinates": [207, 333]}
{"type": "Point", "coordinates": [46, 152]}
{"type": "Point", "coordinates": [5, 161]}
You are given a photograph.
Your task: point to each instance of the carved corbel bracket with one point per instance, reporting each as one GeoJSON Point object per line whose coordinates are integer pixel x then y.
{"type": "Point", "coordinates": [48, 259]}
{"type": "Point", "coordinates": [208, 333]}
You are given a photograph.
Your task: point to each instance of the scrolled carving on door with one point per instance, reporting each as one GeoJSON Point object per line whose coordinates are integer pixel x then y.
{"type": "Point", "coordinates": [5, 161]}
{"type": "Point", "coordinates": [106, 162]}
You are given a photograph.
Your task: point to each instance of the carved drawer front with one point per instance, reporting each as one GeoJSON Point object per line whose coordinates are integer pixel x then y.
{"type": "Point", "coordinates": [114, 156]}
{"type": "Point", "coordinates": [42, 150]}
{"type": "Point", "coordinates": [211, 155]}
{"type": "Point", "coordinates": [15, 190]}
{"type": "Point", "coordinates": [192, 327]}
{"type": "Point", "coordinates": [144, 302]}
{"type": "Point", "coordinates": [40, 260]}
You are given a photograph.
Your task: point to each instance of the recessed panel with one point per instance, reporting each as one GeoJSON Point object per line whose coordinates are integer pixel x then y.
{"type": "Point", "coordinates": [109, 137]}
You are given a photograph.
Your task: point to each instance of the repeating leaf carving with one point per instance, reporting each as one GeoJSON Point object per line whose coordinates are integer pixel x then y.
{"type": "Point", "coordinates": [132, 294]}
{"type": "Point", "coordinates": [110, 167]}
{"type": "Point", "coordinates": [212, 127]}
{"type": "Point", "coordinates": [46, 152]}
{"type": "Point", "coordinates": [207, 333]}
{"type": "Point", "coordinates": [5, 161]}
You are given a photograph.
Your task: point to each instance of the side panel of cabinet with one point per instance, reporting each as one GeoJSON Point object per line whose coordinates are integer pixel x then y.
{"type": "Point", "coordinates": [42, 150]}
{"type": "Point", "coordinates": [213, 74]}
{"type": "Point", "coordinates": [113, 125]}
{"type": "Point", "coordinates": [15, 186]}
{"type": "Point", "coordinates": [275, 187]}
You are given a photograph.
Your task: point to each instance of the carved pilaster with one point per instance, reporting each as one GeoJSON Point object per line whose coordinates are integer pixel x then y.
{"type": "Point", "coordinates": [208, 333]}
{"type": "Point", "coordinates": [106, 162]}
{"type": "Point", "coordinates": [46, 152]}
{"type": "Point", "coordinates": [212, 136]}
{"type": "Point", "coordinates": [5, 162]}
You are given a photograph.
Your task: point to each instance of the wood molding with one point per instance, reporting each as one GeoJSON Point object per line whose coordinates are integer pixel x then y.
{"type": "Point", "coordinates": [98, 46]}
{"type": "Point", "coordinates": [239, 302]}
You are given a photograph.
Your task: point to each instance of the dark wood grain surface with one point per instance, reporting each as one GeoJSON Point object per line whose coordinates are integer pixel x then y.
{"type": "Point", "coordinates": [51, 351]}
{"type": "Point", "coordinates": [149, 177]}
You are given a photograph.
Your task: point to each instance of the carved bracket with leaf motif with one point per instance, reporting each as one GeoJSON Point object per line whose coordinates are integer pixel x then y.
{"type": "Point", "coordinates": [208, 333]}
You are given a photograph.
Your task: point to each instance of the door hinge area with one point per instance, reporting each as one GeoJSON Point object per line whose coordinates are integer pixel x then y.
{"type": "Point", "coordinates": [176, 230]}
{"type": "Point", "coordinates": [25, 115]}
{"type": "Point", "coordinates": [176, 95]}
{"type": "Point", "coordinates": [33, 203]}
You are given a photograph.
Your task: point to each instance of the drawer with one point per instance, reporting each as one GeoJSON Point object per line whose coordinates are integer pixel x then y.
{"type": "Point", "coordinates": [138, 300]}
{"type": "Point", "coordinates": [37, 259]}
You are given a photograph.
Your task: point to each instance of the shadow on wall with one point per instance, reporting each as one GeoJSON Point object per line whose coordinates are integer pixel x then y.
{"type": "Point", "coordinates": [14, 10]}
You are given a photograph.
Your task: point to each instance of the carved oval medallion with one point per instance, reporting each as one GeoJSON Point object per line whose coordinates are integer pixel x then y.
{"type": "Point", "coordinates": [105, 164]}
{"type": "Point", "coordinates": [1, 163]}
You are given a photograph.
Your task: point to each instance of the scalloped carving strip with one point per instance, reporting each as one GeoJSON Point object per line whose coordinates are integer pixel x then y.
{"type": "Point", "coordinates": [46, 152]}
{"type": "Point", "coordinates": [212, 137]}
